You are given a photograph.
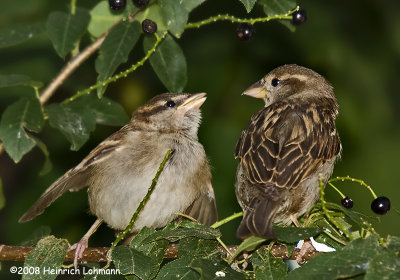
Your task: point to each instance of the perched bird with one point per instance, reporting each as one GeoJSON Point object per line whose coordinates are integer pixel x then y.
{"type": "Point", "coordinates": [286, 146]}
{"type": "Point", "coordinates": [119, 171]}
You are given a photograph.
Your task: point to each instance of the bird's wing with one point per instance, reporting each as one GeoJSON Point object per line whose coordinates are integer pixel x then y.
{"type": "Point", "coordinates": [75, 178]}
{"type": "Point", "coordinates": [283, 144]}
{"type": "Point", "coordinates": [204, 208]}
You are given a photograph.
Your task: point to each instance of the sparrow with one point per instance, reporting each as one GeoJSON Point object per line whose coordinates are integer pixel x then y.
{"type": "Point", "coordinates": [287, 146]}
{"type": "Point", "coordinates": [119, 171]}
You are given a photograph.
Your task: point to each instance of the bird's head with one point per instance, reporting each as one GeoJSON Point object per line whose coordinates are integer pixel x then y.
{"type": "Point", "coordinates": [178, 112]}
{"type": "Point", "coordinates": [290, 82]}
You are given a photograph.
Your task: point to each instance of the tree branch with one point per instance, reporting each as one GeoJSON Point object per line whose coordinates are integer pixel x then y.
{"type": "Point", "coordinates": [70, 67]}
{"type": "Point", "coordinates": [99, 254]}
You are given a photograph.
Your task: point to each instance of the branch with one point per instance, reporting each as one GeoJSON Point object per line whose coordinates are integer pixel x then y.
{"type": "Point", "coordinates": [240, 20]}
{"type": "Point", "coordinates": [70, 67]}
{"type": "Point", "coordinates": [99, 254]}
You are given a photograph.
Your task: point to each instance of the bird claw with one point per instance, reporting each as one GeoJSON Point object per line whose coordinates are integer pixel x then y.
{"type": "Point", "coordinates": [79, 249]}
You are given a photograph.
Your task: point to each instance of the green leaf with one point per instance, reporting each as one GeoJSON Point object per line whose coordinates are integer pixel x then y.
{"type": "Point", "coordinates": [209, 269]}
{"type": "Point", "coordinates": [277, 7]}
{"type": "Point", "coordinates": [105, 111]}
{"type": "Point", "coordinates": [168, 62]}
{"type": "Point", "coordinates": [98, 277]}
{"type": "Point", "coordinates": [131, 261]}
{"type": "Point", "coordinates": [174, 15]}
{"type": "Point", "coordinates": [267, 267]}
{"type": "Point", "coordinates": [192, 248]}
{"type": "Point", "coordinates": [74, 120]}
{"type": "Point", "coordinates": [27, 114]}
{"type": "Point", "coordinates": [154, 13]}
{"type": "Point", "coordinates": [11, 36]}
{"type": "Point", "coordinates": [174, 232]}
{"type": "Point", "coordinates": [102, 18]}
{"type": "Point", "coordinates": [78, 118]}
{"type": "Point", "coordinates": [384, 265]}
{"type": "Point", "coordinates": [2, 197]}
{"type": "Point", "coordinates": [18, 80]}
{"type": "Point", "coordinates": [178, 269]}
{"type": "Point", "coordinates": [65, 29]}
{"type": "Point", "coordinates": [353, 259]}
{"type": "Point", "coordinates": [115, 50]}
{"type": "Point", "coordinates": [249, 244]}
{"type": "Point", "coordinates": [393, 243]}
{"type": "Point", "coordinates": [294, 234]}
{"type": "Point", "coordinates": [192, 4]}
{"type": "Point", "coordinates": [36, 235]}
{"type": "Point", "coordinates": [154, 250]}
{"type": "Point", "coordinates": [248, 4]}
{"type": "Point", "coordinates": [48, 254]}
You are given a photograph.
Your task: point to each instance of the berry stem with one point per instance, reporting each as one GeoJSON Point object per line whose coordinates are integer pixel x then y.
{"type": "Point", "coordinates": [122, 74]}
{"type": "Point", "coordinates": [141, 205]}
{"type": "Point", "coordinates": [73, 7]}
{"type": "Point", "coordinates": [240, 20]}
{"type": "Point", "coordinates": [224, 246]}
{"type": "Point", "coordinates": [326, 212]}
{"type": "Point", "coordinates": [361, 182]}
{"type": "Point", "coordinates": [336, 189]}
{"type": "Point", "coordinates": [227, 219]}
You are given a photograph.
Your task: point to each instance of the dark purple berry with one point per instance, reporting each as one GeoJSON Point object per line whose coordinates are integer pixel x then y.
{"type": "Point", "coordinates": [380, 205]}
{"type": "Point", "coordinates": [149, 26]}
{"type": "Point", "coordinates": [245, 31]}
{"type": "Point", "coordinates": [299, 17]}
{"type": "Point", "coordinates": [140, 3]}
{"type": "Point", "coordinates": [117, 5]}
{"type": "Point", "coordinates": [347, 202]}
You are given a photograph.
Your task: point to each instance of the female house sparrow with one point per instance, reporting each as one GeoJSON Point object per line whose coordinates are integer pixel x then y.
{"type": "Point", "coordinates": [284, 149]}
{"type": "Point", "coordinates": [120, 170]}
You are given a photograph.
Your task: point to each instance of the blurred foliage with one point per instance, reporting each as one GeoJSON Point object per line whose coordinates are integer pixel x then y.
{"type": "Point", "coordinates": [354, 44]}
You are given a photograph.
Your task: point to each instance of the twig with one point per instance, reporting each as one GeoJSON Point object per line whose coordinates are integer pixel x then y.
{"type": "Point", "coordinates": [143, 202]}
{"type": "Point", "coordinates": [70, 67]}
{"type": "Point", "coordinates": [122, 74]}
{"type": "Point", "coordinates": [99, 254]}
{"type": "Point", "coordinates": [326, 212]}
{"type": "Point", "coordinates": [240, 20]}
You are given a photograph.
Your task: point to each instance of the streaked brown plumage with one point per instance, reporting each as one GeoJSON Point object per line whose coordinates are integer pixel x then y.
{"type": "Point", "coordinates": [284, 148]}
{"type": "Point", "coordinates": [120, 170]}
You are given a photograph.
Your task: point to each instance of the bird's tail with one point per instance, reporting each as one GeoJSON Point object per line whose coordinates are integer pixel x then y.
{"type": "Point", "coordinates": [258, 219]}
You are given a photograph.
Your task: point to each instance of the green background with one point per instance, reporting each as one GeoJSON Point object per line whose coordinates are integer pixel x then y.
{"type": "Point", "coordinates": [354, 44]}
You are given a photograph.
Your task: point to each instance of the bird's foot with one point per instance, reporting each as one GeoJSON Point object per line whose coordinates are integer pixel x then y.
{"type": "Point", "coordinates": [79, 249]}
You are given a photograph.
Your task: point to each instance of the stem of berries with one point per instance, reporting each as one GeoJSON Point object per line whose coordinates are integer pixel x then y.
{"type": "Point", "coordinates": [380, 205]}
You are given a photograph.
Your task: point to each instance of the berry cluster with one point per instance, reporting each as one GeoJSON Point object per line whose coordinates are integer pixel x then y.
{"type": "Point", "coordinates": [380, 205]}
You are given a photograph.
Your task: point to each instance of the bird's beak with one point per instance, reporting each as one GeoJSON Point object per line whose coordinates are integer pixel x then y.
{"type": "Point", "coordinates": [193, 102]}
{"type": "Point", "coordinates": [256, 90]}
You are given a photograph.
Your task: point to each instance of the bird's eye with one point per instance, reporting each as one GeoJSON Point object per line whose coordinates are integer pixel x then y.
{"type": "Point", "coordinates": [170, 103]}
{"type": "Point", "coordinates": [275, 82]}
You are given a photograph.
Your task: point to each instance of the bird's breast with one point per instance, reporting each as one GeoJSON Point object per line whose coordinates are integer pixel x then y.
{"type": "Point", "coordinates": [115, 194]}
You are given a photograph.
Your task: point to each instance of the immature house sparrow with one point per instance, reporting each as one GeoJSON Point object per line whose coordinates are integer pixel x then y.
{"type": "Point", "coordinates": [285, 147]}
{"type": "Point", "coordinates": [120, 170]}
